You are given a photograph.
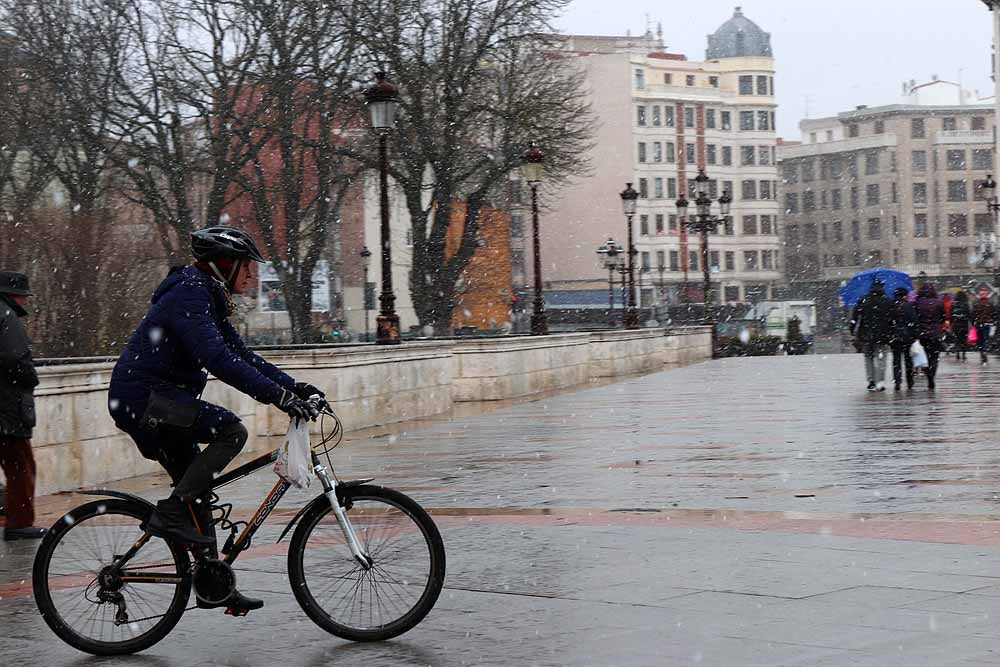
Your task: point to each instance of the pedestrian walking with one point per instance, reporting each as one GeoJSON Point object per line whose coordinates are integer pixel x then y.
{"type": "Point", "coordinates": [18, 380]}
{"type": "Point", "coordinates": [904, 332]}
{"type": "Point", "coordinates": [930, 328]}
{"type": "Point", "coordinates": [983, 318]}
{"type": "Point", "coordinates": [960, 318]}
{"type": "Point", "coordinates": [871, 324]}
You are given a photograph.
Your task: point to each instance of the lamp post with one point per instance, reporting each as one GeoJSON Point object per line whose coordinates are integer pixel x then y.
{"type": "Point", "coordinates": [988, 191]}
{"type": "Point", "coordinates": [383, 102]}
{"type": "Point", "coordinates": [532, 170]}
{"type": "Point", "coordinates": [629, 197]}
{"type": "Point", "coordinates": [366, 260]}
{"type": "Point", "coordinates": [704, 222]}
{"type": "Point", "coordinates": [611, 255]}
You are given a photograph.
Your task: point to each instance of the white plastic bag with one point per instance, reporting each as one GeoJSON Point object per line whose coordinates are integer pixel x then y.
{"type": "Point", "coordinates": [918, 355]}
{"type": "Point", "coordinates": [293, 460]}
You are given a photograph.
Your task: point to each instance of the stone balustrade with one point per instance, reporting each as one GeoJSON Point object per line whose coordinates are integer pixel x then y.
{"type": "Point", "coordinates": [76, 443]}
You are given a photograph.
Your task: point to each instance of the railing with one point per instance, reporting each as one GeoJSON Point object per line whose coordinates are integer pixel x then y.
{"type": "Point", "coordinates": [840, 146]}
{"type": "Point", "coordinates": [964, 137]}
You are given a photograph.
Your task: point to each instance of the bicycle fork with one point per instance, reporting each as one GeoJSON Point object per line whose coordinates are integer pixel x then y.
{"type": "Point", "coordinates": [330, 491]}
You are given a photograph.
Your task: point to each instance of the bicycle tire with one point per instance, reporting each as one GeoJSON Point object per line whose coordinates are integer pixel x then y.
{"type": "Point", "coordinates": [132, 511]}
{"type": "Point", "coordinates": [365, 525]}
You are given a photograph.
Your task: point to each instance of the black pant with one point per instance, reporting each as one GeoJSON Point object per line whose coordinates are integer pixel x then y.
{"type": "Point", "coordinates": [932, 346]}
{"type": "Point", "coordinates": [901, 353]}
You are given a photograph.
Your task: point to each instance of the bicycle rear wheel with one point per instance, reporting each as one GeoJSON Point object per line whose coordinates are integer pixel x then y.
{"type": "Point", "coordinates": [372, 604]}
{"type": "Point", "coordinates": [80, 597]}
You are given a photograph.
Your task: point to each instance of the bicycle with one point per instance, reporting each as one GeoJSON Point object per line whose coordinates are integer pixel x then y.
{"type": "Point", "coordinates": [381, 551]}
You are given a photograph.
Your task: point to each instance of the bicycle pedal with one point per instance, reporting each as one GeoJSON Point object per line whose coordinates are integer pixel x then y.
{"type": "Point", "coordinates": [232, 611]}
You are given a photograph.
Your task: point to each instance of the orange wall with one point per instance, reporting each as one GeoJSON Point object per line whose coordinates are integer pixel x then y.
{"type": "Point", "coordinates": [485, 301]}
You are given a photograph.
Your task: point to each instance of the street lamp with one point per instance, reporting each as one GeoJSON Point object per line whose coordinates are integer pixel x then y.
{"type": "Point", "coordinates": [704, 222]}
{"type": "Point", "coordinates": [611, 254]}
{"type": "Point", "coordinates": [629, 197]}
{"type": "Point", "coordinates": [532, 172]}
{"type": "Point", "coordinates": [383, 101]}
{"type": "Point", "coordinates": [988, 192]}
{"type": "Point", "coordinates": [366, 260]}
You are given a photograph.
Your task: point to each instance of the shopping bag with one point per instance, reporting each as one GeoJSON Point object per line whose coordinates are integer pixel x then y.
{"type": "Point", "coordinates": [918, 355]}
{"type": "Point", "coordinates": [972, 337]}
{"type": "Point", "coordinates": [293, 460]}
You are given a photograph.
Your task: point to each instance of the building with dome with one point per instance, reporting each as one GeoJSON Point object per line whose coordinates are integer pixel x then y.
{"type": "Point", "coordinates": [662, 118]}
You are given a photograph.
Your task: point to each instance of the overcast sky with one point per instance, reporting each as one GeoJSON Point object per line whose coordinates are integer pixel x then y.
{"type": "Point", "coordinates": [830, 56]}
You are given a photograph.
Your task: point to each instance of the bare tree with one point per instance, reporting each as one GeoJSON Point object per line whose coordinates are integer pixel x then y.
{"type": "Point", "coordinates": [479, 83]}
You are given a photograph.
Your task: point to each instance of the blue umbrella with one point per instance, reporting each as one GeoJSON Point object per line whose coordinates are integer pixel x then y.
{"type": "Point", "coordinates": [861, 283]}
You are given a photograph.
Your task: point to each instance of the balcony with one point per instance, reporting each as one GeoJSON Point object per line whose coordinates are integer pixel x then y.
{"type": "Point", "coordinates": [841, 146]}
{"type": "Point", "coordinates": [964, 137]}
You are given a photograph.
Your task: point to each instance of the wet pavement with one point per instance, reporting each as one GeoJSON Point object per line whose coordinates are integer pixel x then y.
{"type": "Point", "coordinates": [762, 511]}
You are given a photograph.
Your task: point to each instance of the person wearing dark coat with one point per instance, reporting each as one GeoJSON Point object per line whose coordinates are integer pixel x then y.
{"type": "Point", "coordinates": [904, 332]}
{"type": "Point", "coordinates": [18, 380]}
{"type": "Point", "coordinates": [930, 327]}
{"type": "Point", "coordinates": [983, 318]}
{"type": "Point", "coordinates": [156, 385]}
{"type": "Point", "coordinates": [871, 324]}
{"type": "Point", "coordinates": [961, 316]}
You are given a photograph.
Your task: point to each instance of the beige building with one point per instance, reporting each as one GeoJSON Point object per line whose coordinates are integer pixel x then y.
{"type": "Point", "coordinates": [892, 186]}
{"type": "Point", "coordinates": [661, 118]}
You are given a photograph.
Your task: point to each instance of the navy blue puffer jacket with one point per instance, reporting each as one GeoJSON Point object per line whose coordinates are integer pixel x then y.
{"type": "Point", "coordinates": [184, 334]}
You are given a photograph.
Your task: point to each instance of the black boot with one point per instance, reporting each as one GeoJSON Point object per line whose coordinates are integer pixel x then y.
{"type": "Point", "coordinates": [174, 520]}
{"type": "Point", "coordinates": [236, 604]}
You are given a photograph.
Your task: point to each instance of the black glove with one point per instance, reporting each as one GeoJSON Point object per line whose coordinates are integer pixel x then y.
{"type": "Point", "coordinates": [295, 407]}
{"type": "Point", "coordinates": [304, 390]}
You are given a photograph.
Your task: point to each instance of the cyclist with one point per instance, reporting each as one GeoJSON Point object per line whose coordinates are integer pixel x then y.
{"type": "Point", "coordinates": [159, 377]}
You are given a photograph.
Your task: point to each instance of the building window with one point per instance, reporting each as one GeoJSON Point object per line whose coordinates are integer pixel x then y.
{"type": "Point", "coordinates": [668, 78]}
{"type": "Point", "coordinates": [875, 257]}
{"type": "Point", "coordinates": [763, 120]}
{"type": "Point", "coordinates": [958, 224]}
{"type": "Point", "coordinates": [920, 193]}
{"type": "Point", "coordinates": [640, 78]}
{"type": "Point", "coordinates": [874, 229]}
{"type": "Point", "coordinates": [808, 201]}
{"type": "Point", "coordinates": [657, 151]}
{"type": "Point", "coordinates": [895, 193]}
{"type": "Point", "coordinates": [812, 137]}
{"type": "Point", "coordinates": [919, 161]}
{"type": "Point", "coordinates": [732, 292]}
{"type": "Point", "coordinates": [672, 188]}
{"type": "Point", "coordinates": [710, 156]}
{"type": "Point", "coordinates": [657, 117]}
{"type": "Point", "coordinates": [920, 225]}
{"type": "Point", "coordinates": [730, 261]}
{"type": "Point", "coordinates": [836, 167]}
{"type": "Point", "coordinates": [836, 199]}
{"type": "Point", "coordinates": [746, 84]}
{"type": "Point", "coordinates": [957, 191]}
{"type": "Point", "coordinates": [978, 124]}
{"type": "Point", "coordinates": [852, 166]}
{"type": "Point", "coordinates": [983, 223]}
{"type": "Point", "coordinates": [854, 197]}
{"type": "Point", "coordinates": [713, 81]}
{"type": "Point", "coordinates": [764, 156]}
{"type": "Point", "coordinates": [749, 189]}
{"type": "Point", "coordinates": [746, 120]}
{"type": "Point", "coordinates": [791, 203]}
{"type": "Point", "coordinates": [750, 260]}
{"type": "Point", "coordinates": [766, 260]}
{"type": "Point", "coordinates": [727, 156]}
{"type": "Point", "coordinates": [917, 128]}
{"type": "Point", "coordinates": [693, 260]}
{"type": "Point", "coordinates": [691, 153]}
{"type": "Point", "coordinates": [668, 116]}
{"type": "Point", "coordinates": [748, 156]}
{"type": "Point", "coordinates": [689, 117]}
{"type": "Point", "coordinates": [749, 225]}
{"type": "Point", "coordinates": [644, 225]}
{"type": "Point", "coordinates": [790, 173]}
{"type": "Point", "coordinates": [808, 171]}
{"type": "Point", "coordinates": [672, 222]}
{"type": "Point", "coordinates": [660, 258]}
{"type": "Point", "coordinates": [670, 152]}
{"type": "Point", "coordinates": [640, 115]}
{"type": "Point", "coordinates": [957, 258]}
{"type": "Point", "coordinates": [765, 189]}
{"type": "Point", "coordinates": [690, 79]}
{"type": "Point", "coordinates": [872, 194]}
{"type": "Point", "coordinates": [659, 227]}
{"type": "Point", "coordinates": [949, 124]}
{"type": "Point", "coordinates": [713, 260]}
{"type": "Point", "coordinates": [727, 122]}
{"type": "Point", "coordinates": [765, 224]}
{"type": "Point", "coordinates": [761, 85]}
{"type": "Point", "coordinates": [710, 118]}
{"type": "Point", "coordinates": [955, 159]}
{"type": "Point", "coordinates": [982, 158]}
{"type": "Point", "coordinates": [643, 188]}
{"type": "Point", "coordinates": [642, 151]}
{"type": "Point", "coordinates": [853, 130]}
{"type": "Point", "coordinates": [880, 127]}
{"type": "Point", "coordinates": [921, 256]}
{"type": "Point", "coordinates": [675, 263]}
{"type": "Point", "coordinates": [871, 163]}
{"type": "Point", "coordinates": [645, 260]}
{"type": "Point", "coordinates": [838, 231]}
{"type": "Point", "coordinates": [855, 230]}
{"type": "Point", "coordinates": [658, 188]}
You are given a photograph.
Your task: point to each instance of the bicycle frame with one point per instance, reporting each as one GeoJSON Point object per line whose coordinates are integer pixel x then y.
{"type": "Point", "coordinates": [260, 516]}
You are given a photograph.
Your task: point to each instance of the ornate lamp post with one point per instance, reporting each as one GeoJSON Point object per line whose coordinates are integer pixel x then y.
{"type": "Point", "coordinates": [704, 222]}
{"type": "Point", "coordinates": [988, 191]}
{"type": "Point", "coordinates": [383, 102]}
{"type": "Point", "coordinates": [532, 171]}
{"type": "Point", "coordinates": [611, 254]}
{"type": "Point", "coordinates": [366, 260]}
{"type": "Point", "coordinates": [629, 197]}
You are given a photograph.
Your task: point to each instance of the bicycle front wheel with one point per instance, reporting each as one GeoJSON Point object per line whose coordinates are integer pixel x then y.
{"type": "Point", "coordinates": [96, 607]}
{"type": "Point", "coordinates": [391, 596]}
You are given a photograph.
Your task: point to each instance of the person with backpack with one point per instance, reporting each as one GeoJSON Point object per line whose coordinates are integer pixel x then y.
{"type": "Point", "coordinates": [983, 318]}
{"type": "Point", "coordinates": [871, 324]}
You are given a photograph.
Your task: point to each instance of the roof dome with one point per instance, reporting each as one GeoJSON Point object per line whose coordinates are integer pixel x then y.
{"type": "Point", "coordinates": [738, 37]}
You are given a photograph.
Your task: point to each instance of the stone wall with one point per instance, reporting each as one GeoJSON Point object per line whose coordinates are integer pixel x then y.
{"type": "Point", "coordinates": [76, 443]}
